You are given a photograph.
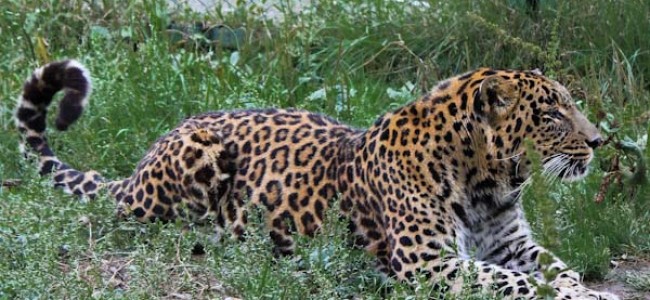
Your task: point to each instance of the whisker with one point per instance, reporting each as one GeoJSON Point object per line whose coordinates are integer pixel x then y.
{"type": "Point", "coordinates": [520, 188]}
{"type": "Point", "coordinates": [554, 166]}
{"type": "Point", "coordinates": [513, 156]}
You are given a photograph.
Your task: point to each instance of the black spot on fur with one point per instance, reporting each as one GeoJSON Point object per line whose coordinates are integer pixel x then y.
{"type": "Point", "coordinates": [204, 175]}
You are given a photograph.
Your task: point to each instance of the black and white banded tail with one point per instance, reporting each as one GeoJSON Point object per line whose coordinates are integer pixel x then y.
{"type": "Point", "coordinates": [73, 79]}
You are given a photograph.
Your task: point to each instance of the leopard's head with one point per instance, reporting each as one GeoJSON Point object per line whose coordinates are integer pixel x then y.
{"type": "Point", "coordinates": [528, 105]}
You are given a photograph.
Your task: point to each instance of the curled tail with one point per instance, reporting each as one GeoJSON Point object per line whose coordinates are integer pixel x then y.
{"type": "Point", "coordinates": [74, 79]}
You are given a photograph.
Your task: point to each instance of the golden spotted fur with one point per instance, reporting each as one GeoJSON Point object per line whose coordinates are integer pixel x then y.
{"type": "Point", "coordinates": [431, 188]}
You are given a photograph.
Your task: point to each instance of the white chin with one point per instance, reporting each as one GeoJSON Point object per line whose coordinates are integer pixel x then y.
{"type": "Point", "coordinates": [579, 172]}
{"type": "Point", "coordinates": [568, 172]}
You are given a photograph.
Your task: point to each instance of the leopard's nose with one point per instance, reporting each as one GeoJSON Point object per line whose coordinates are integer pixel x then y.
{"type": "Point", "coordinates": [595, 142]}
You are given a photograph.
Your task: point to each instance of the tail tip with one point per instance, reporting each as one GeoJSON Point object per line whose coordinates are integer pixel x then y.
{"type": "Point", "coordinates": [78, 86]}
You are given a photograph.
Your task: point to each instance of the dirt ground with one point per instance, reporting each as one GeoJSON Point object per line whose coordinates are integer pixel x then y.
{"type": "Point", "coordinates": [630, 279]}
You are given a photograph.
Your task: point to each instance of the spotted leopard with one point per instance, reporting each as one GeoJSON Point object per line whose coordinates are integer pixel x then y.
{"type": "Point", "coordinates": [432, 188]}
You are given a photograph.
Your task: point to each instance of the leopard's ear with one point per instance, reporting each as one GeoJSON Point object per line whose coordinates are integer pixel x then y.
{"type": "Point", "coordinates": [498, 96]}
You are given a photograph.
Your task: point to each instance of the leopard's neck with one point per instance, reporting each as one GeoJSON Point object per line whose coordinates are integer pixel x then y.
{"type": "Point", "coordinates": [490, 171]}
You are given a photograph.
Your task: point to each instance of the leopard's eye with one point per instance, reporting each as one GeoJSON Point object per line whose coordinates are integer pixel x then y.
{"type": "Point", "coordinates": [553, 114]}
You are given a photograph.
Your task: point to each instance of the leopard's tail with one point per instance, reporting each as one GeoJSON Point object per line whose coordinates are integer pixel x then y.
{"type": "Point", "coordinates": [74, 79]}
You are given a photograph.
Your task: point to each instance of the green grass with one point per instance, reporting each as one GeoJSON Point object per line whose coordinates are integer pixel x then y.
{"type": "Point", "coordinates": [350, 59]}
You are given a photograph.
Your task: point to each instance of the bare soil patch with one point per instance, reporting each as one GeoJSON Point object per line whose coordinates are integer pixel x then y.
{"type": "Point", "coordinates": [630, 279]}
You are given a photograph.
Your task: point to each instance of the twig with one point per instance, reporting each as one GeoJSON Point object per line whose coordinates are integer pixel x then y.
{"type": "Point", "coordinates": [11, 183]}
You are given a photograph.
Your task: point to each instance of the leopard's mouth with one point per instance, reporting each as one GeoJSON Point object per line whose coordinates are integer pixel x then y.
{"type": "Point", "coordinates": [566, 167]}
{"type": "Point", "coordinates": [574, 172]}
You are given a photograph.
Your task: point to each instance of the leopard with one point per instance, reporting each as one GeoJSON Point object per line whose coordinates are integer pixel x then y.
{"type": "Point", "coordinates": [431, 189]}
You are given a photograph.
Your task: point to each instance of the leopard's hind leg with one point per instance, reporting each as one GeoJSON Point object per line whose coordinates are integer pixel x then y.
{"type": "Point", "coordinates": [186, 173]}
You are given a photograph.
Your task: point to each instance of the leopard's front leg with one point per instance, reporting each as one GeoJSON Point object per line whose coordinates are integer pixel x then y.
{"type": "Point", "coordinates": [507, 241]}
{"type": "Point", "coordinates": [441, 255]}
{"type": "Point", "coordinates": [511, 246]}
{"type": "Point", "coordinates": [422, 251]}
{"type": "Point", "coordinates": [454, 274]}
